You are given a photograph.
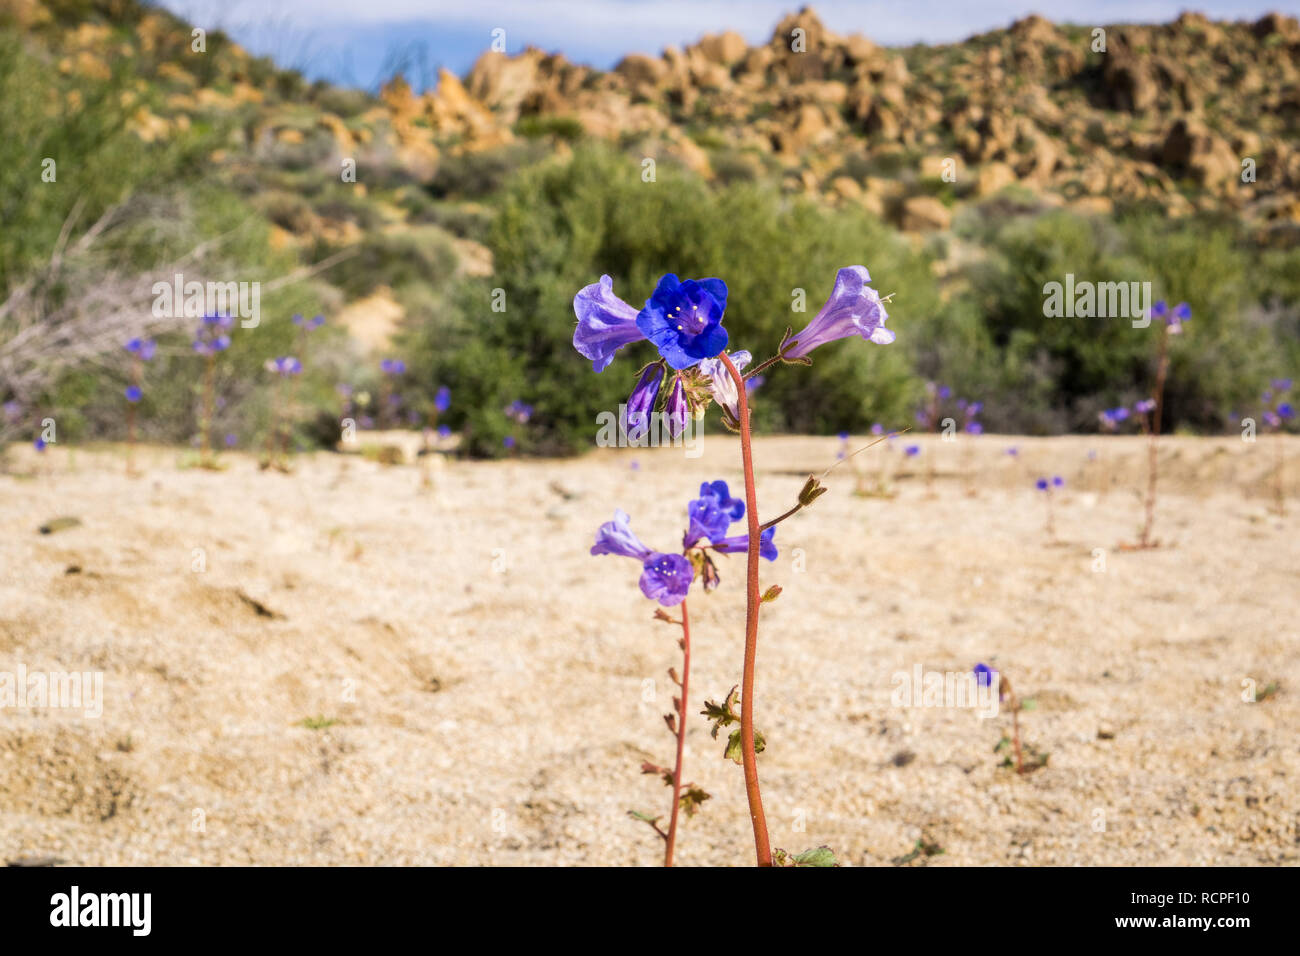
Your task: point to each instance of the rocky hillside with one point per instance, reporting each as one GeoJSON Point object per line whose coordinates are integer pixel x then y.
{"type": "Point", "coordinates": [1171, 114]}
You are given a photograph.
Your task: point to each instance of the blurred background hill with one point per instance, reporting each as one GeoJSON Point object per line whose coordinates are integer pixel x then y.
{"type": "Point", "coordinates": [964, 176]}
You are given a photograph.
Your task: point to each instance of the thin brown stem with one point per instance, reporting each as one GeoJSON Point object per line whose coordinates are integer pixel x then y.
{"type": "Point", "coordinates": [671, 840]}
{"type": "Point", "coordinates": [205, 436]}
{"type": "Point", "coordinates": [748, 757]}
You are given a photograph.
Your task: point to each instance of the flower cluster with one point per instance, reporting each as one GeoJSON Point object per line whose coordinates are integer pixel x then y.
{"type": "Point", "coordinates": [286, 366]}
{"type": "Point", "coordinates": [970, 416]}
{"type": "Point", "coordinates": [1112, 418]}
{"type": "Point", "coordinates": [667, 577]}
{"type": "Point", "coordinates": [1277, 407]}
{"type": "Point", "coordinates": [682, 319]}
{"type": "Point", "coordinates": [213, 334]}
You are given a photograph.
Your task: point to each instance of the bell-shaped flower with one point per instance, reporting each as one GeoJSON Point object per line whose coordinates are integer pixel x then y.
{"type": "Point", "coordinates": [605, 323]}
{"type": "Point", "coordinates": [854, 308]}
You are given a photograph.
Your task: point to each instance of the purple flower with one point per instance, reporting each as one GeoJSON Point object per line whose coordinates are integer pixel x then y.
{"type": "Point", "coordinates": [444, 431]}
{"type": "Point", "coordinates": [1272, 419]}
{"type": "Point", "coordinates": [13, 411]}
{"type": "Point", "coordinates": [1014, 451]}
{"type": "Point", "coordinates": [684, 319]}
{"type": "Point", "coordinates": [974, 428]}
{"type": "Point", "coordinates": [143, 349]}
{"type": "Point", "coordinates": [735, 507]}
{"type": "Point", "coordinates": [740, 542]}
{"type": "Point", "coordinates": [392, 367]}
{"type": "Point", "coordinates": [1058, 481]}
{"type": "Point", "coordinates": [442, 401]}
{"type": "Point", "coordinates": [1041, 484]}
{"type": "Point", "coordinates": [605, 323]}
{"type": "Point", "coordinates": [666, 578]}
{"type": "Point", "coordinates": [984, 675]}
{"type": "Point", "coordinates": [315, 322]}
{"type": "Point", "coordinates": [1284, 410]}
{"type": "Point", "coordinates": [133, 394]}
{"type": "Point", "coordinates": [912, 450]}
{"type": "Point", "coordinates": [616, 537]}
{"type": "Point", "coordinates": [1281, 384]}
{"type": "Point", "coordinates": [508, 441]}
{"type": "Point", "coordinates": [520, 411]}
{"type": "Point", "coordinates": [721, 383]}
{"type": "Point", "coordinates": [676, 409]}
{"type": "Point", "coordinates": [854, 308]}
{"type": "Point", "coordinates": [39, 444]}
{"type": "Point", "coordinates": [1145, 406]}
{"type": "Point", "coordinates": [231, 439]}
{"type": "Point", "coordinates": [642, 400]}
{"type": "Point", "coordinates": [285, 366]}
{"type": "Point", "coordinates": [708, 519]}
{"type": "Point", "coordinates": [211, 337]}
{"type": "Point", "coordinates": [877, 429]}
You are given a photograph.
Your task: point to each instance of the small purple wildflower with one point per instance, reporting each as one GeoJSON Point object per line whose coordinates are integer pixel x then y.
{"type": "Point", "coordinates": [231, 439]}
{"type": "Point", "coordinates": [39, 444]}
{"type": "Point", "coordinates": [984, 675]}
{"type": "Point", "coordinates": [143, 349]}
{"type": "Point", "coordinates": [605, 323]}
{"type": "Point", "coordinates": [392, 367]}
{"type": "Point", "coordinates": [1146, 406]}
{"type": "Point", "coordinates": [133, 393]}
{"type": "Point", "coordinates": [676, 408]}
{"type": "Point", "coordinates": [642, 400]}
{"type": "Point", "coordinates": [212, 336]}
{"type": "Point", "coordinates": [721, 384]}
{"type": "Point", "coordinates": [442, 400]}
{"type": "Point", "coordinates": [508, 442]}
{"type": "Point", "coordinates": [1041, 484]}
{"type": "Point", "coordinates": [912, 450]}
{"type": "Point", "coordinates": [854, 308]}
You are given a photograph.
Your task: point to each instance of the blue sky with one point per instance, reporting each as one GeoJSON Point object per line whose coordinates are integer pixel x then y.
{"type": "Point", "coordinates": [356, 42]}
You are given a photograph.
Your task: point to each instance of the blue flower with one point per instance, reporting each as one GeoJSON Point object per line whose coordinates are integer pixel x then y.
{"type": "Point", "coordinates": [1285, 410]}
{"type": "Point", "coordinates": [1058, 481]}
{"type": "Point", "coordinates": [605, 323]}
{"type": "Point", "coordinates": [735, 507]}
{"type": "Point", "coordinates": [39, 444]}
{"type": "Point", "coordinates": [142, 349]}
{"type": "Point", "coordinates": [616, 537]}
{"type": "Point", "coordinates": [708, 519]}
{"type": "Point", "coordinates": [984, 675]}
{"type": "Point", "coordinates": [1144, 406]}
{"type": "Point", "coordinates": [676, 409]}
{"type": "Point", "coordinates": [392, 367]}
{"type": "Point", "coordinates": [740, 542]}
{"type": "Point", "coordinates": [666, 578]}
{"type": "Point", "coordinates": [854, 308]}
{"type": "Point", "coordinates": [974, 428]}
{"type": "Point", "coordinates": [444, 431]}
{"type": "Point", "coordinates": [1041, 484]}
{"type": "Point", "coordinates": [912, 450]}
{"type": "Point", "coordinates": [642, 400]}
{"type": "Point", "coordinates": [133, 394]}
{"type": "Point", "coordinates": [684, 319]}
{"type": "Point", "coordinates": [442, 401]}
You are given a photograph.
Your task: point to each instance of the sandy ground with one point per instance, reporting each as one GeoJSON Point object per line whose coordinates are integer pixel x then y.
{"type": "Point", "coordinates": [486, 677]}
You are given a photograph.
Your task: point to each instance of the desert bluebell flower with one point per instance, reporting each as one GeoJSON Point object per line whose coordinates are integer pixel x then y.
{"type": "Point", "coordinates": [683, 320]}
{"type": "Point", "coordinates": [854, 308]}
{"type": "Point", "coordinates": [605, 323]}
{"type": "Point", "coordinates": [133, 393]}
{"type": "Point", "coordinates": [143, 349]}
{"type": "Point", "coordinates": [442, 401]}
{"type": "Point", "coordinates": [642, 400]}
{"type": "Point", "coordinates": [392, 367]}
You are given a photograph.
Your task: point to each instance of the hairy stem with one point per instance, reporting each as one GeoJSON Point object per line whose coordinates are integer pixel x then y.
{"type": "Point", "coordinates": [671, 840]}
{"type": "Point", "coordinates": [749, 759]}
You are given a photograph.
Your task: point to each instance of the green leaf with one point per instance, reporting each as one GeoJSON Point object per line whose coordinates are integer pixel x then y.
{"type": "Point", "coordinates": [821, 856]}
{"type": "Point", "coordinates": [734, 750]}
{"type": "Point", "coordinates": [643, 817]}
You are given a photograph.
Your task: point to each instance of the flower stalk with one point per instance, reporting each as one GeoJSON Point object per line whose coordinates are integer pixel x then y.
{"type": "Point", "coordinates": [670, 840]}
{"type": "Point", "coordinates": [753, 599]}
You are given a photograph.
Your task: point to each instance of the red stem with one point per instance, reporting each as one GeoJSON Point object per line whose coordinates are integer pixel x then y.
{"type": "Point", "coordinates": [671, 840]}
{"type": "Point", "coordinates": [749, 759]}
